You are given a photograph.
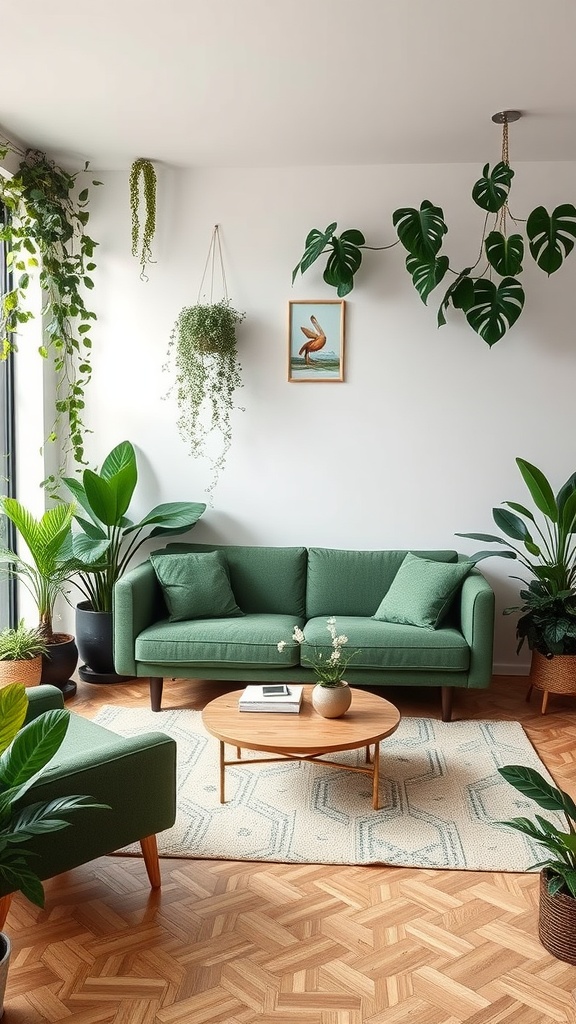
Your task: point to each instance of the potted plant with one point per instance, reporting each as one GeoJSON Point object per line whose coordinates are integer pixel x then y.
{"type": "Point", "coordinates": [51, 566]}
{"type": "Point", "coordinates": [557, 912]}
{"type": "Point", "coordinates": [25, 750]}
{"type": "Point", "coordinates": [547, 551]}
{"type": "Point", "coordinates": [106, 545]}
{"type": "Point", "coordinates": [142, 170]}
{"type": "Point", "coordinates": [21, 650]}
{"type": "Point", "coordinates": [331, 696]}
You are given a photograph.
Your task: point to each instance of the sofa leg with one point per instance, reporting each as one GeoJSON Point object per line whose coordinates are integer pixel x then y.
{"type": "Point", "coordinates": [156, 687]}
{"type": "Point", "coordinates": [447, 692]}
{"type": "Point", "coordinates": [149, 848]}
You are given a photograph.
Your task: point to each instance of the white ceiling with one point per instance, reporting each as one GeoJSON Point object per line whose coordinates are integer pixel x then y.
{"type": "Point", "coordinates": [288, 82]}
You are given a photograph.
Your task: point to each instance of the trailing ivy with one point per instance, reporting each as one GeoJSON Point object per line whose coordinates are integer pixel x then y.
{"type": "Point", "coordinates": [46, 234]}
{"type": "Point", "coordinates": [143, 175]}
{"type": "Point", "coordinates": [207, 372]}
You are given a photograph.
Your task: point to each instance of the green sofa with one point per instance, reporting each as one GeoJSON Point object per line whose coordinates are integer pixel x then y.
{"type": "Point", "coordinates": [277, 588]}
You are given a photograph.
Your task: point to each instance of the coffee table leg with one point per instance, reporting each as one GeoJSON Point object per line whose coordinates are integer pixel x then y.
{"type": "Point", "coordinates": [222, 770]}
{"type": "Point", "coordinates": [376, 775]}
{"type": "Point", "coordinates": [367, 755]}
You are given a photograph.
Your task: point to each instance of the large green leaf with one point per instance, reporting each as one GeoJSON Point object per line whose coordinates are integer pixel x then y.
{"type": "Point", "coordinates": [540, 489]}
{"type": "Point", "coordinates": [13, 708]}
{"type": "Point", "coordinates": [495, 309]}
{"type": "Point", "coordinates": [314, 247]}
{"type": "Point", "coordinates": [505, 254]}
{"type": "Point", "coordinates": [32, 748]}
{"type": "Point", "coordinates": [486, 538]}
{"type": "Point", "coordinates": [344, 260]}
{"type": "Point", "coordinates": [491, 190]}
{"type": "Point", "coordinates": [171, 517]}
{"type": "Point", "coordinates": [103, 498]}
{"type": "Point", "coordinates": [421, 231]}
{"type": "Point", "coordinates": [460, 294]}
{"type": "Point", "coordinates": [510, 524]}
{"type": "Point", "coordinates": [551, 236]}
{"type": "Point", "coordinates": [530, 782]}
{"type": "Point", "coordinates": [426, 274]}
{"type": "Point", "coordinates": [44, 537]}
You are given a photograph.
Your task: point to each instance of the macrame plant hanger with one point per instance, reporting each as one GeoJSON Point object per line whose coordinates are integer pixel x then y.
{"type": "Point", "coordinates": [214, 260]}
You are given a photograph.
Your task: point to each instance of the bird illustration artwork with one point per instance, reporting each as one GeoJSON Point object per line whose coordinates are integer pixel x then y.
{"type": "Point", "coordinates": [317, 340]}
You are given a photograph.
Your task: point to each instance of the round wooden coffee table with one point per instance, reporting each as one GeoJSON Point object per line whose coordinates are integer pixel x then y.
{"type": "Point", "coordinates": [303, 736]}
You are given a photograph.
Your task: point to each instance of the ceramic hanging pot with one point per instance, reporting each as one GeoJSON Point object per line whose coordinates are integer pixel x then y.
{"type": "Point", "coordinates": [331, 701]}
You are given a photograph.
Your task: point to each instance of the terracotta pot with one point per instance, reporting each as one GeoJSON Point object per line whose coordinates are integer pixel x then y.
{"type": "Point", "coordinates": [331, 701]}
{"type": "Point", "coordinates": [557, 922]}
{"type": "Point", "coordinates": [27, 672]}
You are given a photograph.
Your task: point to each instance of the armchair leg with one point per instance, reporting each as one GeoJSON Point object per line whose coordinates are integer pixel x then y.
{"type": "Point", "coordinates": [156, 687]}
{"type": "Point", "coordinates": [149, 849]}
{"type": "Point", "coordinates": [5, 902]}
{"type": "Point", "coordinates": [447, 692]}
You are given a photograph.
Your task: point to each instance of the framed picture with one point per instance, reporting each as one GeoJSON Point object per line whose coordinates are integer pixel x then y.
{"type": "Point", "coordinates": [316, 340]}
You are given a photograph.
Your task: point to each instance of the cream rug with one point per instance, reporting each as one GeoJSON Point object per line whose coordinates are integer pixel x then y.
{"type": "Point", "coordinates": [440, 792]}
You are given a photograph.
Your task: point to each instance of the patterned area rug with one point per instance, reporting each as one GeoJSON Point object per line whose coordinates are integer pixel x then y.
{"type": "Point", "coordinates": [440, 792]}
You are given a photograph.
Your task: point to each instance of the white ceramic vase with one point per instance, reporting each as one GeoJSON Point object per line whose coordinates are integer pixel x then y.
{"type": "Point", "coordinates": [331, 701]}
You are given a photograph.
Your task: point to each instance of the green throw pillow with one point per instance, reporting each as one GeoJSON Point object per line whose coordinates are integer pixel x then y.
{"type": "Point", "coordinates": [422, 591]}
{"type": "Point", "coordinates": [195, 585]}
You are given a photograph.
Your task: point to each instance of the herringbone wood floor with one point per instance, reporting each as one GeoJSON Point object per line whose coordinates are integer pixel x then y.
{"type": "Point", "coordinates": [241, 942]}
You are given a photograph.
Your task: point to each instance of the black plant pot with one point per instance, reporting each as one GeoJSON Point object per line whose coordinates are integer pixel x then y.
{"type": "Point", "coordinates": [95, 639]}
{"type": "Point", "coordinates": [59, 664]}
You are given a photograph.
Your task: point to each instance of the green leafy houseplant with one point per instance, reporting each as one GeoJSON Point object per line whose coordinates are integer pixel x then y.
{"type": "Point", "coordinates": [143, 188]}
{"type": "Point", "coordinates": [547, 550]}
{"type": "Point", "coordinates": [329, 669]}
{"type": "Point", "coordinates": [109, 539]}
{"type": "Point", "coordinates": [561, 845]}
{"type": "Point", "coordinates": [25, 750]}
{"type": "Point", "coordinates": [46, 234]}
{"type": "Point", "coordinates": [52, 564]}
{"type": "Point", "coordinates": [21, 643]}
{"type": "Point", "coordinates": [207, 373]}
{"type": "Point", "coordinates": [487, 292]}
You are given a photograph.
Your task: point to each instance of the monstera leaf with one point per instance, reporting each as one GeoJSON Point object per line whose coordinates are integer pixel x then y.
{"type": "Point", "coordinates": [421, 231]}
{"type": "Point", "coordinates": [426, 274]}
{"type": "Point", "coordinates": [460, 294]}
{"type": "Point", "coordinates": [505, 254]}
{"type": "Point", "coordinates": [495, 309]}
{"type": "Point", "coordinates": [315, 243]}
{"type": "Point", "coordinates": [551, 237]}
{"type": "Point", "coordinates": [491, 190]}
{"type": "Point", "coordinates": [344, 261]}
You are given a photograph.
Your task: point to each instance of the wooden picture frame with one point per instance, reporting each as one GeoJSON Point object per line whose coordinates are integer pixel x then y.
{"type": "Point", "coordinates": [316, 341]}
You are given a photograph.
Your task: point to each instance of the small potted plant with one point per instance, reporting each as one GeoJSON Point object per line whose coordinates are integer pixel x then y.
{"type": "Point", "coordinates": [21, 650]}
{"type": "Point", "coordinates": [557, 913]}
{"type": "Point", "coordinates": [331, 696]}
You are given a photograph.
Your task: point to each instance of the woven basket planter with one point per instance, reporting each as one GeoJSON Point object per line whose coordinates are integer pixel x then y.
{"type": "Point", "coordinates": [556, 675]}
{"type": "Point", "coordinates": [27, 672]}
{"type": "Point", "coordinates": [557, 922]}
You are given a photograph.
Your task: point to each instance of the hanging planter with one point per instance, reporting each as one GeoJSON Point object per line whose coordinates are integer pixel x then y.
{"type": "Point", "coordinates": [143, 190]}
{"type": "Point", "coordinates": [206, 368]}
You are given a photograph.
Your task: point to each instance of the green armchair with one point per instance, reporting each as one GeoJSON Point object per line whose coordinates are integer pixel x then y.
{"type": "Point", "coordinates": [135, 776]}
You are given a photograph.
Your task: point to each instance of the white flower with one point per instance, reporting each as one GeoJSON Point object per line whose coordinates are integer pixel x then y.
{"type": "Point", "coordinates": [281, 645]}
{"type": "Point", "coordinates": [334, 657]}
{"type": "Point", "coordinates": [298, 635]}
{"type": "Point", "coordinates": [331, 621]}
{"type": "Point", "coordinates": [342, 639]}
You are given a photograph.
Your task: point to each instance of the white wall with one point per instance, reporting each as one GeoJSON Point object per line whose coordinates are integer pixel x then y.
{"type": "Point", "coordinates": [420, 440]}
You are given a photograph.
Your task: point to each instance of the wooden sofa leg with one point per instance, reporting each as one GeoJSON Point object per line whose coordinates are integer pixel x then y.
{"type": "Point", "coordinates": [447, 693]}
{"type": "Point", "coordinates": [156, 687]}
{"type": "Point", "coordinates": [149, 849]}
{"type": "Point", "coordinates": [5, 902]}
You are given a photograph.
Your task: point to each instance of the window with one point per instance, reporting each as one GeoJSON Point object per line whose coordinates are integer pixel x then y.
{"type": "Point", "coordinates": [8, 596]}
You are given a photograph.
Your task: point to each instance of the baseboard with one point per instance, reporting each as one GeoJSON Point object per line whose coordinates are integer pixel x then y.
{"type": "Point", "coordinates": [513, 669]}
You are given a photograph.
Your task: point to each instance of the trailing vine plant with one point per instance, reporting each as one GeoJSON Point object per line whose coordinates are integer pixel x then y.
{"type": "Point", "coordinates": [45, 232]}
{"type": "Point", "coordinates": [143, 187]}
{"type": "Point", "coordinates": [203, 355]}
{"type": "Point", "coordinates": [490, 306]}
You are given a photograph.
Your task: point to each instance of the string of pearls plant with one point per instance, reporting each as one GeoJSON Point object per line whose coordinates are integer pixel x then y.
{"type": "Point", "coordinates": [143, 184]}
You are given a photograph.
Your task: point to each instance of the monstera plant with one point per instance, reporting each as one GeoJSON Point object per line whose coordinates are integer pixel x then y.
{"type": "Point", "coordinates": [487, 292]}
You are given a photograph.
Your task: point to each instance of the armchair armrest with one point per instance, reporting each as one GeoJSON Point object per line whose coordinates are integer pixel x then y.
{"type": "Point", "coordinates": [477, 603]}
{"type": "Point", "coordinates": [137, 600]}
{"type": "Point", "coordinates": [42, 698]}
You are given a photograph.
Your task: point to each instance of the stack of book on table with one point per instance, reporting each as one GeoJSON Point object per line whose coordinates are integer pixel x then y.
{"type": "Point", "coordinates": [272, 698]}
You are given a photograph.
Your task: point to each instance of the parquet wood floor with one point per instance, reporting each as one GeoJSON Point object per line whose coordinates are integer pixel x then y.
{"type": "Point", "coordinates": [236, 942]}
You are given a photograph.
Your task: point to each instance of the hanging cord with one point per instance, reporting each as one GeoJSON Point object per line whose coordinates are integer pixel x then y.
{"type": "Point", "coordinates": [505, 160]}
{"type": "Point", "coordinates": [214, 249]}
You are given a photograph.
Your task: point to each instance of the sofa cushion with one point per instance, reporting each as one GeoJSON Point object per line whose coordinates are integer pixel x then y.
{"type": "Point", "coordinates": [389, 645]}
{"type": "Point", "coordinates": [251, 640]}
{"type": "Point", "coordinates": [342, 582]}
{"type": "Point", "coordinates": [195, 585]}
{"type": "Point", "coordinates": [264, 579]}
{"type": "Point", "coordinates": [422, 591]}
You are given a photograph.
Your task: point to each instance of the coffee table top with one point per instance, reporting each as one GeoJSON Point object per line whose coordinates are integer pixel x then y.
{"type": "Point", "coordinates": [369, 719]}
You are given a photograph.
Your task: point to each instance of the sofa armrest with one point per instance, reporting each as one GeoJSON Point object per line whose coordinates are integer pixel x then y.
{"type": "Point", "coordinates": [42, 698]}
{"type": "Point", "coordinates": [477, 604]}
{"type": "Point", "coordinates": [136, 600]}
